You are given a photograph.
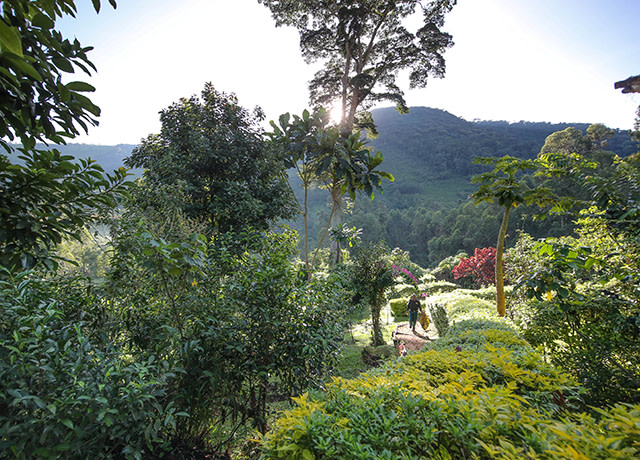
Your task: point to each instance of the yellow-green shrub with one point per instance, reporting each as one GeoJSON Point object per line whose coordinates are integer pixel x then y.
{"type": "Point", "coordinates": [439, 287]}
{"type": "Point", "coordinates": [399, 306]}
{"type": "Point", "coordinates": [482, 392]}
{"type": "Point", "coordinates": [442, 404]}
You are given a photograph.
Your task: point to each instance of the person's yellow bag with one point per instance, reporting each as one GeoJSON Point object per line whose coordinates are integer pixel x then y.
{"type": "Point", "coordinates": [424, 320]}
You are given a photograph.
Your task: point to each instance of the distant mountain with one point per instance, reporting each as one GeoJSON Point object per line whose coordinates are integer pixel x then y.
{"type": "Point", "coordinates": [435, 142]}
{"type": "Point", "coordinates": [110, 157]}
{"type": "Point", "coordinates": [430, 151]}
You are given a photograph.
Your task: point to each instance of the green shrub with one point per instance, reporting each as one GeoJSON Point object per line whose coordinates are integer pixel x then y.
{"type": "Point", "coordinates": [478, 334]}
{"type": "Point", "coordinates": [443, 271]}
{"type": "Point", "coordinates": [241, 330]}
{"type": "Point", "coordinates": [439, 287]}
{"type": "Point", "coordinates": [63, 397]}
{"type": "Point", "coordinates": [405, 290]}
{"type": "Point", "coordinates": [437, 404]}
{"type": "Point", "coordinates": [597, 341]}
{"type": "Point", "coordinates": [440, 319]}
{"type": "Point", "coordinates": [399, 307]}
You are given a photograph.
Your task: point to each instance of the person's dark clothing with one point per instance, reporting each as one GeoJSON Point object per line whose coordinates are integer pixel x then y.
{"type": "Point", "coordinates": [413, 307]}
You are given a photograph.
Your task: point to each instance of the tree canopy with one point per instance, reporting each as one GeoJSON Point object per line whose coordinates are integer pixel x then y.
{"type": "Point", "coordinates": [362, 46]}
{"type": "Point", "coordinates": [215, 151]}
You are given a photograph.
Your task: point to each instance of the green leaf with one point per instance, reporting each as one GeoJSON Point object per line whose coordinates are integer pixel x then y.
{"type": "Point", "coordinates": [22, 66]}
{"type": "Point", "coordinates": [63, 64]}
{"type": "Point", "coordinates": [65, 94]}
{"type": "Point", "coordinates": [42, 21]}
{"type": "Point", "coordinates": [80, 86]}
{"type": "Point", "coordinates": [68, 423]}
{"type": "Point", "coordinates": [10, 40]}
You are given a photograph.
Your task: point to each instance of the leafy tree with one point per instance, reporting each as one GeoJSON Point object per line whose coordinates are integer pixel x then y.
{"type": "Point", "coordinates": [48, 196]}
{"type": "Point", "coordinates": [323, 157]}
{"type": "Point", "coordinates": [229, 325]}
{"type": "Point", "coordinates": [583, 308]}
{"type": "Point", "coordinates": [363, 46]}
{"type": "Point", "coordinates": [373, 274]}
{"type": "Point", "coordinates": [504, 186]}
{"type": "Point", "coordinates": [35, 103]}
{"type": "Point", "coordinates": [480, 267]}
{"type": "Point", "coordinates": [215, 151]}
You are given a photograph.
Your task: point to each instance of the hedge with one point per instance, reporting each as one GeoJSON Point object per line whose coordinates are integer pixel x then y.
{"type": "Point", "coordinates": [481, 392]}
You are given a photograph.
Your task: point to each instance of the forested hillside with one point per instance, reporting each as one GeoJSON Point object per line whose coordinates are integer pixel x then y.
{"type": "Point", "coordinates": [430, 152]}
{"type": "Point", "coordinates": [197, 327]}
{"type": "Point", "coordinates": [428, 144]}
{"type": "Point", "coordinates": [426, 210]}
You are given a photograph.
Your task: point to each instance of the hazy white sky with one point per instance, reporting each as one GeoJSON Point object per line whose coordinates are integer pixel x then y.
{"type": "Point", "coordinates": [542, 60]}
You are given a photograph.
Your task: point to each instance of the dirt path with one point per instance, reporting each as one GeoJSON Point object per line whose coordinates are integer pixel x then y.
{"type": "Point", "coordinates": [414, 340]}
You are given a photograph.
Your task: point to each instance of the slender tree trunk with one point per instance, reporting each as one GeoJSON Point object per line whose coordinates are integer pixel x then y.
{"type": "Point", "coordinates": [334, 210]}
{"type": "Point", "coordinates": [375, 320]}
{"type": "Point", "coordinates": [502, 235]}
{"type": "Point", "coordinates": [306, 230]}
{"type": "Point", "coordinates": [336, 219]}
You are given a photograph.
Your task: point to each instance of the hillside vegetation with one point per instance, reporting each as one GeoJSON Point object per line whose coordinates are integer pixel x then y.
{"type": "Point", "coordinates": [171, 314]}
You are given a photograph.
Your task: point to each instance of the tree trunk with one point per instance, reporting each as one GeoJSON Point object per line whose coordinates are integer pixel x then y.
{"type": "Point", "coordinates": [336, 219]}
{"type": "Point", "coordinates": [377, 339]}
{"type": "Point", "coordinates": [306, 230]}
{"type": "Point", "coordinates": [502, 235]}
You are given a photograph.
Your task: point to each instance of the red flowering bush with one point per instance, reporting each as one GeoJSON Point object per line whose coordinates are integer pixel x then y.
{"type": "Point", "coordinates": [481, 267]}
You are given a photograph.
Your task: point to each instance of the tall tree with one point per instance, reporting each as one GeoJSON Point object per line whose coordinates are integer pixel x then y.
{"type": "Point", "coordinates": [321, 156]}
{"type": "Point", "coordinates": [215, 151]}
{"type": "Point", "coordinates": [505, 186]}
{"type": "Point", "coordinates": [362, 46]}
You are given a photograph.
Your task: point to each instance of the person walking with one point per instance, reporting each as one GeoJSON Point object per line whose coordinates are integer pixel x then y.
{"type": "Point", "coordinates": [413, 307]}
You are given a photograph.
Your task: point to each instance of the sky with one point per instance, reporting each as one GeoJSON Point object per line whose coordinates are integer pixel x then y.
{"type": "Point", "coordinates": [514, 60]}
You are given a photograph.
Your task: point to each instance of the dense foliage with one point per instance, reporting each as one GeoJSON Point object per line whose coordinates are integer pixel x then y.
{"type": "Point", "coordinates": [214, 151]}
{"type": "Point", "coordinates": [480, 267]}
{"type": "Point", "coordinates": [583, 308]}
{"type": "Point", "coordinates": [66, 390]}
{"type": "Point", "coordinates": [201, 319]}
{"type": "Point", "coordinates": [481, 392]}
{"type": "Point", "coordinates": [45, 195]}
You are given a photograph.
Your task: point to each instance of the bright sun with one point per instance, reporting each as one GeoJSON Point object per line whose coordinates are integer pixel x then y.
{"type": "Point", "coordinates": [335, 114]}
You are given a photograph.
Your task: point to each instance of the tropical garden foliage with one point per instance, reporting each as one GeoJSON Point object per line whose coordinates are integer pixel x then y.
{"type": "Point", "coordinates": [200, 320]}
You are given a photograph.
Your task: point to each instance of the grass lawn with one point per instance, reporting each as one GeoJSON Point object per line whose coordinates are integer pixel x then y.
{"type": "Point", "coordinates": [355, 340]}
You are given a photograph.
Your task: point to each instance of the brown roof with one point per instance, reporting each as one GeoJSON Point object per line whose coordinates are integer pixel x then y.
{"type": "Point", "coordinates": [630, 85]}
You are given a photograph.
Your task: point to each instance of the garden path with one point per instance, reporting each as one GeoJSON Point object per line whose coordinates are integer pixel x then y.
{"type": "Point", "coordinates": [414, 341]}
